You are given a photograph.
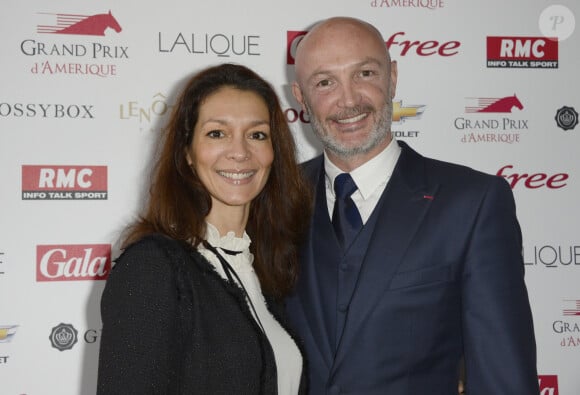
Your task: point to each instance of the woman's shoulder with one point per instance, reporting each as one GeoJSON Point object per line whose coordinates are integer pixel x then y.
{"type": "Point", "coordinates": [155, 261]}
{"type": "Point", "coordinates": [153, 254]}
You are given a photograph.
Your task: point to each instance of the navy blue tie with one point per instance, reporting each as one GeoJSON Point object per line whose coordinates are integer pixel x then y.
{"type": "Point", "coordinates": [345, 216]}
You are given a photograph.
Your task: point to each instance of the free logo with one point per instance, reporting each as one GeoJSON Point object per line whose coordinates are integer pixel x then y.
{"type": "Point", "coordinates": [76, 262]}
{"type": "Point", "coordinates": [89, 25]}
{"type": "Point", "coordinates": [397, 44]}
{"type": "Point", "coordinates": [566, 118]}
{"type": "Point", "coordinates": [63, 337]}
{"type": "Point", "coordinates": [293, 38]}
{"type": "Point", "coordinates": [522, 52]}
{"type": "Point", "coordinates": [533, 180]}
{"type": "Point", "coordinates": [59, 182]}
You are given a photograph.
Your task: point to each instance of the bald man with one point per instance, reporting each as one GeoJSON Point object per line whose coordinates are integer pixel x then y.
{"type": "Point", "coordinates": [410, 263]}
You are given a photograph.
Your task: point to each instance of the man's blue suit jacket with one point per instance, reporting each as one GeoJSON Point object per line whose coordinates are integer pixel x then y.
{"type": "Point", "coordinates": [442, 278]}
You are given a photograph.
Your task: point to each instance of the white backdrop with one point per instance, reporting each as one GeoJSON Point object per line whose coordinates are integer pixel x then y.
{"type": "Point", "coordinates": [81, 109]}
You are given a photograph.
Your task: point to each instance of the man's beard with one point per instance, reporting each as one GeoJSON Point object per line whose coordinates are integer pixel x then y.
{"type": "Point", "coordinates": [378, 133]}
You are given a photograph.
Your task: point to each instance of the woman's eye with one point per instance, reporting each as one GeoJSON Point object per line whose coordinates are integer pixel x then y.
{"type": "Point", "coordinates": [215, 134]}
{"type": "Point", "coordinates": [258, 136]}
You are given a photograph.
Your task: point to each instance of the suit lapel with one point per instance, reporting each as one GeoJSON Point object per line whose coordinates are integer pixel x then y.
{"type": "Point", "coordinates": [401, 210]}
{"type": "Point", "coordinates": [318, 262]}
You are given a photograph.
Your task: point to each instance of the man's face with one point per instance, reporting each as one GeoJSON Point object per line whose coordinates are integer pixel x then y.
{"type": "Point", "coordinates": [346, 83]}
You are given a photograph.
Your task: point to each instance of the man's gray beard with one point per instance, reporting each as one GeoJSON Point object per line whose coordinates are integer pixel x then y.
{"type": "Point", "coordinates": [377, 135]}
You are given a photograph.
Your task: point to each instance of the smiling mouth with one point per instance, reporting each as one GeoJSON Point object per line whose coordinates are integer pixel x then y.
{"type": "Point", "coordinates": [236, 176]}
{"type": "Point", "coordinates": [353, 119]}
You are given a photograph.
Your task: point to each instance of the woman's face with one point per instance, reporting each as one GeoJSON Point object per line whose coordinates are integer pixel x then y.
{"type": "Point", "coordinates": [232, 149]}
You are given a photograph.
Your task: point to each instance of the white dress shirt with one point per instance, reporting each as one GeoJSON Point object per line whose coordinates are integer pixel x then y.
{"type": "Point", "coordinates": [371, 179]}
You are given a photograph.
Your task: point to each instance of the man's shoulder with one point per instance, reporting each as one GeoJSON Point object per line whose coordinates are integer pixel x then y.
{"type": "Point", "coordinates": [312, 167]}
{"type": "Point", "coordinates": [448, 172]}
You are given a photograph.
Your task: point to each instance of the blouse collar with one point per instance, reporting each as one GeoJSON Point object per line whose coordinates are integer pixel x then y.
{"type": "Point", "coordinates": [228, 242]}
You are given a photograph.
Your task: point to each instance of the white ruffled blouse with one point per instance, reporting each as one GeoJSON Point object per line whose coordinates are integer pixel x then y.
{"type": "Point", "coordinates": [286, 353]}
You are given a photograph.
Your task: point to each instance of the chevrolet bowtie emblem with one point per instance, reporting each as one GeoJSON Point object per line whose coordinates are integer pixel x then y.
{"type": "Point", "coordinates": [401, 113]}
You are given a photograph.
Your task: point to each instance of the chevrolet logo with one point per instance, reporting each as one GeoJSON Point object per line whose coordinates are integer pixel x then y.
{"type": "Point", "coordinates": [401, 113]}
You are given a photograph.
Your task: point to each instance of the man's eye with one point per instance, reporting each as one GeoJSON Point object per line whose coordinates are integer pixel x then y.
{"type": "Point", "coordinates": [215, 134]}
{"type": "Point", "coordinates": [323, 83]}
{"type": "Point", "coordinates": [367, 73]}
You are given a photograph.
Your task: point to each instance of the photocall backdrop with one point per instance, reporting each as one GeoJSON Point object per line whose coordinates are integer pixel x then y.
{"type": "Point", "coordinates": [87, 86]}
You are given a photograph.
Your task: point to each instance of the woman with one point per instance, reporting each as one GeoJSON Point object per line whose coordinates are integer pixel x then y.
{"type": "Point", "coordinates": [192, 306]}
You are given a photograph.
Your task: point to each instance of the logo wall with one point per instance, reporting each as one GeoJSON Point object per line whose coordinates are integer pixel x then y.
{"type": "Point", "coordinates": [65, 55]}
{"type": "Point", "coordinates": [57, 182]}
{"type": "Point", "coordinates": [75, 262]}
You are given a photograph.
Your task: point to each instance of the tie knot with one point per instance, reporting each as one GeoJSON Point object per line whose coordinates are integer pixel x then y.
{"type": "Point", "coordinates": [344, 186]}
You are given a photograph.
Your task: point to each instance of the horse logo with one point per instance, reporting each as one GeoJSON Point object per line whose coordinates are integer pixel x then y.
{"type": "Point", "coordinates": [497, 105]}
{"type": "Point", "coordinates": [89, 25]}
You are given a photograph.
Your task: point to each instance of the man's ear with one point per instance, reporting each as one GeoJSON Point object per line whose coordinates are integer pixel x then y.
{"type": "Point", "coordinates": [297, 92]}
{"type": "Point", "coordinates": [393, 78]}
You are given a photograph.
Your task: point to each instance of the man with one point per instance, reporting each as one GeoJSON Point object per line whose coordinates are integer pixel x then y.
{"type": "Point", "coordinates": [426, 271]}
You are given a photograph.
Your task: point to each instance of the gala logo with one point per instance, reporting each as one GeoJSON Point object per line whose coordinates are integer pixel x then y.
{"type": "Point", "coordinates": [88, 25]}
{"type": "Point", "coordinates": [73, 262]}
{"type": "Point", "coordinates": [548, 384]}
